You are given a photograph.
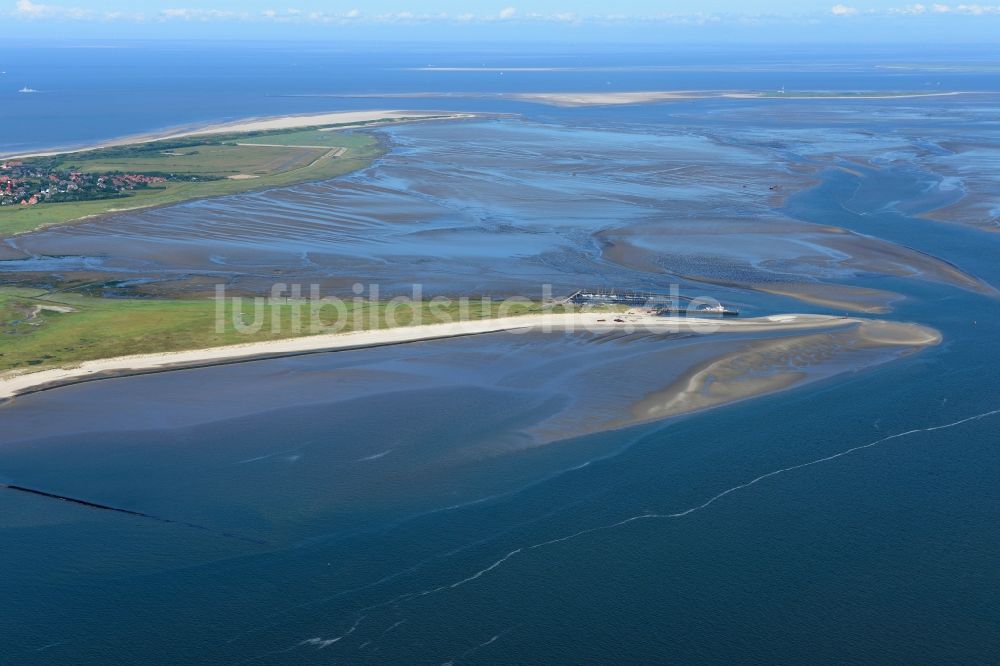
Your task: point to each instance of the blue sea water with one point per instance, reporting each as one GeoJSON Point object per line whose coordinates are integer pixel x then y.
{"type": "Point", "coordinates": [738, 535]}
{"type": "Point", "coordinates": [91, 91]}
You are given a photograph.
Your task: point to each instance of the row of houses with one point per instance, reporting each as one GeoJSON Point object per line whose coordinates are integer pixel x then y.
{"type": "Point", "coordinates": [26, 185]}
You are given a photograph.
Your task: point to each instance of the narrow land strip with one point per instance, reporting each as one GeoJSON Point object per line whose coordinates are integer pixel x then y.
{"type": "Point", "coordinates": [15, 383]}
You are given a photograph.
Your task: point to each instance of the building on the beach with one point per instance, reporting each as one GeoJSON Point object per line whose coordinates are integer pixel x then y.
{"type": "Point", "coordinates": [664, 304]}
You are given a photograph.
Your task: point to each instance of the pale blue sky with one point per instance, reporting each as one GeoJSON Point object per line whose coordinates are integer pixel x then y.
{"type": "Point", "coordinates": [515, 20]}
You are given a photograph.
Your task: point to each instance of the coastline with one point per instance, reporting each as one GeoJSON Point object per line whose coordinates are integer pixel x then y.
{"type": "Point", "coordinates": [636, 97]}
{"type": "Point", "coordinates": [652, 97]}
{"type": "Point", "coordinates": [250, 124]}
{"type": "Point", "coordinates": [15, 383]}
{"type": "Point", "coordinates": [18, 383]}
{"type": "Point", "coordinates": [15, 220]}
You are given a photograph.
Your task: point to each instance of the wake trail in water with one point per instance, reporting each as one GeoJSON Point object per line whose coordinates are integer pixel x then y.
{"type": "Point", "coordinates": [368, 643]}
{"type": "Point", "coordinates": [476, 648]}
{"type": "Point", "coordinates": [317, 642]}
{"type": "Point", "coordinates": [409, 570]}
{"type": "Point", "coordinates": [322, 643]}
{"type": "Point", "coordinates": [266, 456]}
{"type": "Point", "coordinates": [686, 512]}
{"type": "Point", "coordinates": [649, 515]}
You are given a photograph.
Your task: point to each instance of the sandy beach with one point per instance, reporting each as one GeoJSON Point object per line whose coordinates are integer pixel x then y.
{"type": "Point", "coordinates": [16, 383]}
{"type": "Point", "coordinates": [625, 98]}
{"type": "Point", "coordinates": [254, 125]}
{"type": "Point", "coordinates": [611, 99]}
{"type": "Point", "coordinates": [311, 120]}
{"type": "Point", "coordinates": [651, 97]}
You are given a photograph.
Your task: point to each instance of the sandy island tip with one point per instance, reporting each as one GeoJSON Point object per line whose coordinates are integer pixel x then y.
{"type": "Point", "coordinates": [881, 333]}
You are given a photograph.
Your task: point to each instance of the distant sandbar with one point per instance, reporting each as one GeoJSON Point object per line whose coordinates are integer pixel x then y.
{"type": "Point", "coordinates": [249, 125]}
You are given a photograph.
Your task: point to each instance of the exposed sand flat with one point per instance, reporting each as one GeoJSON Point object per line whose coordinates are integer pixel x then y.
{"type": "Point", "coordinates": [972, 171]}
{"type": "Point", "coordinates": [611, 98]}
{"type": "Point", "coordinates": [313, 119]}
{"type": "Point", "coordinates": [769, 254]}
{"type": "Point", "coordinates": [877, 333]}
{"type": "Point", "coordinates": [980, 216]}
{"type": "Point", "coordinates": [36, 309]}
{"type": "Point", "coordinates": [767, 366]}
{"type": "Point", "coordinates": [255, 125]}
{"type": "Point", "coordinates": [840, 296]}
{"type": "Point", "coordinates": [603, 98]}
{"type": "Point", "coordinates": [18, 382]}
{"type": "Point", "coordinates": [833, 95]}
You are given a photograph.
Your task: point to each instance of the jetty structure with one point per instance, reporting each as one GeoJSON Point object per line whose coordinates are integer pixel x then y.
{"type": "Point", "coordinates": [672, 304]}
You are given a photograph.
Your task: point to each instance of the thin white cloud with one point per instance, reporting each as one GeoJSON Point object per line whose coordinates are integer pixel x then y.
{"type": "Point", "coordinates": [30, 9]}
{"type": "Point", "coordinates": [35, 10]}
{"type": "Point", "coordinates": [843, 10]}
{"type": "Point", "coordinates": [199, 14]}
{"type": "Point", "coordinates": [288, 15]}
{"type": "Point", "coordinates": [919, 9]}
{"type": "Point", "coordinates": [977, 10]}
{"type": "Point", "coordinates": [912, 10]}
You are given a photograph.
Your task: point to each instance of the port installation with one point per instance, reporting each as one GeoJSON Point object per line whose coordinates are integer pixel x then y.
{"type": "Point", "coordinates": [664, 304]}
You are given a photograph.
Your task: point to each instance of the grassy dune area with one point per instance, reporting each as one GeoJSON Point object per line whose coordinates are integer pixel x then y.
{"type": "Point", "coordinates": [199, 167]}
{"type": "Point", "coordinates": [223, 160]}
{"type": "Point", "coordinates": [40, 329]}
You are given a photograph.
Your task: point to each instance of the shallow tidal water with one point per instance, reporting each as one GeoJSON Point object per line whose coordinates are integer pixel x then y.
{"type": "Point", "coordinates": [419, 517]}
{"type": "Point", "coordinates": [502, 207]}
{"type": "Point", "coordinates": [417, 504]}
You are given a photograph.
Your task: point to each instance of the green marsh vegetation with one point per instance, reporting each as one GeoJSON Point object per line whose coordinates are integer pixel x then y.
{"type": "Point", "coordinates": [199, 167]}
{"type": "Point", "coordinates": [43, 328]}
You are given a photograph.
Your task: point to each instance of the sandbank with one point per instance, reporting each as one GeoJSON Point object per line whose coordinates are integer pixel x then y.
{"type": "Point", "coordinates": [253, 125]}
{"type": "Point", "coordinates": [18, 382]}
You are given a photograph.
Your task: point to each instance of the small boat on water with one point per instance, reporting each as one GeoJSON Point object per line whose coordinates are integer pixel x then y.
{"type": "Point", "coordinates": [26, 89]}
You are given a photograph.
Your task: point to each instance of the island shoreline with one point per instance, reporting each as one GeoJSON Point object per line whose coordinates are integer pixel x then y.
{"type": "Point", "coordinates": [249, 125]}
{"type": "Point", "coordinates": [356, 121]}
{"type": "Point", "coordinates": [18, 383]}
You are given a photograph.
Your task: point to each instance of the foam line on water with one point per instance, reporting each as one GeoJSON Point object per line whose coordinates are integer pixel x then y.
{"type": "Point", "coordinates": [694, 509]}
{"type": "Point", "coordinates": [384, 632]}
{"type": "Point", "coordinates": [322, 643]}
{"type": "Point", "coordinates": [649, 515]}
{"type": "Point", "coordinates": [476, 648]}
{"type": "Point", "coordinates": [385, 529]}
{"type": "Point", "coordinates": [317, 642]}
{"type": "Point", "coordinates": [397, 574]}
